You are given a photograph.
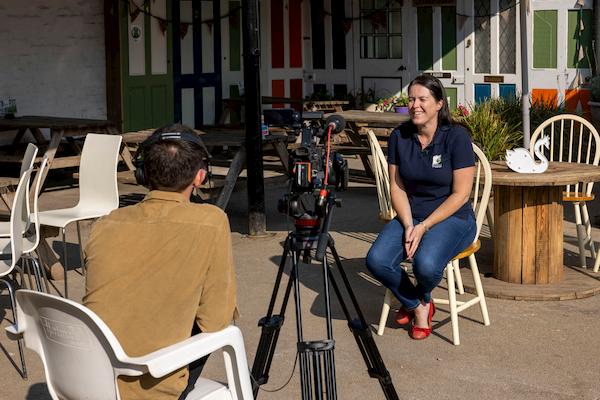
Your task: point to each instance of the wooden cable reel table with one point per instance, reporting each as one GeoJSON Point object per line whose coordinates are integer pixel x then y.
{"type": "Point", "coordinates": [528, 219]}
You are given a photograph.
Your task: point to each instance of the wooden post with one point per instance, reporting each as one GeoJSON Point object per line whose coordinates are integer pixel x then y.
{"type": "Point", "coordinates": [254, 161]}
{"type": "Point", "coordinates": [112, 46]}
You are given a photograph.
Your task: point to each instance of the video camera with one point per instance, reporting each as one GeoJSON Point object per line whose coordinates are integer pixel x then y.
{"type": "Point", "coordinates": [314, 168]}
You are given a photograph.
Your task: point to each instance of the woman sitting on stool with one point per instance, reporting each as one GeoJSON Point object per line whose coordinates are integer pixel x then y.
{"type": "Point", "coordinates": [431, 168]}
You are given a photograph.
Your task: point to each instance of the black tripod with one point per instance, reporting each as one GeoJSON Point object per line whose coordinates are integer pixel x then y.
{"type": "Point", "coordinates": [317, 365]}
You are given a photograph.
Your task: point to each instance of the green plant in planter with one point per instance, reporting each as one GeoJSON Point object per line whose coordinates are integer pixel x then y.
{"type": "Point", "coordinates": [402, 100]}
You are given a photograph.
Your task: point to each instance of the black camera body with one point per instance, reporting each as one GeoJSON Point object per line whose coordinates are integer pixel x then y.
{"type": "Point", "coordinates": [308, 163]}
{"type": "Point", "coordinates": [314, 168]}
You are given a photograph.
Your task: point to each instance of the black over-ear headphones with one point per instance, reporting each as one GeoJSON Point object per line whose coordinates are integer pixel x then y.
{"type": "Point", "coordinates": [138, 159]}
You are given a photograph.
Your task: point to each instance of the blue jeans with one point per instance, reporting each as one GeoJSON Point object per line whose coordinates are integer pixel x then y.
{"type": "Point", "coordinates": [437, 247]}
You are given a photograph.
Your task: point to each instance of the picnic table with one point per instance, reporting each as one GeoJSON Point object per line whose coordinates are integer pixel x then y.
{"type": "Point", "coordinates": [234, 139]}
{"type": "Point", "coordinates": [60, 127]}
{"type": "Point", "coordinates": [232, 106]}
{"type": "Point", "coordinates": [528, 219]}
{"type": "Point", "coordinates": [356, 120]}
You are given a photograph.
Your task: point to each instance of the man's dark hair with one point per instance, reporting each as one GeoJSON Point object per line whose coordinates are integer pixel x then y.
{"type": "Point", "coordinates": [171, 165]}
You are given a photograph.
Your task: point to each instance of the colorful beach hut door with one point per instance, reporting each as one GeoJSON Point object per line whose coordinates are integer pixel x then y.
{"type": "Point", "coordinates": [490, 49]}
{"type": "Point", "coordinates": [561, 52]}
{"type": "Point", "coordinates": [281, 39]}
{"type": "Point", "coordinates": [197, 61]}
{"type": "Point", "coordinates": [146, 64]}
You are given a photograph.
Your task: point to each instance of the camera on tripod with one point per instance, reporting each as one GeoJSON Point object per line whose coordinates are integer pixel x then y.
{"type": "Point", "coordinates": [315, 172]}
{"type": "Point", "coordinates": [314, 168]}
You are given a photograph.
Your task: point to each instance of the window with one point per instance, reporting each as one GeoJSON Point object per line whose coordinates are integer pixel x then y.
{"type": "Point", "coordinates": [380, 29]}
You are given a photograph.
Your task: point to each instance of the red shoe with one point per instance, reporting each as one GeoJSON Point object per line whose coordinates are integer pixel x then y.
{"type": "Point", "coordinates": [403, 316]}
{"type": "Point", "coordinates": [419, 333]}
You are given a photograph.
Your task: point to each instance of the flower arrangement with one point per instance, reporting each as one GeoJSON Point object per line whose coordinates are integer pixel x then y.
{"type": "Point", "coordinates": [388, 103]}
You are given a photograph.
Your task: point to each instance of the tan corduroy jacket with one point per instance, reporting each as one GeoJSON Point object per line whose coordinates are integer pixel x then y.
{"type": "Point", "coordinates": [152, 270]}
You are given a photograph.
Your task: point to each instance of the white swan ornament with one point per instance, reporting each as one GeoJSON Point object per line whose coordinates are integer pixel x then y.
{"type": "Point", "coordinates": [520, 159]}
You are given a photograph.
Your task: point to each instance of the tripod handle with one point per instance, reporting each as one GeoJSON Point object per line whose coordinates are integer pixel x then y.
{"type": "Point", "coordinates": [322, 246]}
{"type": "Point", "coordinates": [324, 235]}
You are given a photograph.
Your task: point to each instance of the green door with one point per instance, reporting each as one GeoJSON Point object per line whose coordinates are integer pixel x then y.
{"type": "Point", "coordinates": [146, 53]}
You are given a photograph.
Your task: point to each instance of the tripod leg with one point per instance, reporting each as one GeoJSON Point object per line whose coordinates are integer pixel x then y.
{"type": "Point", "coordinates": [271, 326]}
{"type": "Point", "coordinates": [362, 334]}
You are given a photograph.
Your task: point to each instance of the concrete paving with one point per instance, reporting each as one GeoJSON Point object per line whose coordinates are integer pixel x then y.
{"type": "Point", "coordinates": [531, 350]}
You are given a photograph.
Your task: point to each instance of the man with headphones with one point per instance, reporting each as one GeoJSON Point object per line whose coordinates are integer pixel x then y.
{"type": "Point", "coordinates": [160, 267]}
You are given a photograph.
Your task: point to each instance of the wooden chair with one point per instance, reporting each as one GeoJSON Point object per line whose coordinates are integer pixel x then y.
{"type": "Point", "coordinates": [480, 198]}
{"type": "Point", "coordinates": [575, 140]}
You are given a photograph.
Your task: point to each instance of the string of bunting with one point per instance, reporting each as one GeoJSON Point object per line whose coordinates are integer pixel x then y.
{"type": "Point", "coordinates": [135, 10]}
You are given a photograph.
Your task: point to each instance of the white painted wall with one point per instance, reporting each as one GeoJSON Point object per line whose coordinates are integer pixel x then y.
{"type": "Point", "coordinates": [52, 57]}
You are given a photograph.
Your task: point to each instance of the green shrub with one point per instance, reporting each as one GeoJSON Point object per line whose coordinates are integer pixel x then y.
{"type": "Point", "coordinates": [497, 125]}
{"type": "Point", "coordinates": [489, 130]}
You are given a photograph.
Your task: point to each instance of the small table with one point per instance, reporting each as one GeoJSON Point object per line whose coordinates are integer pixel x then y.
{"type": "Point", "coordinates": [358, 119]}
{"type": "Point", "coordinates": [528, 219]}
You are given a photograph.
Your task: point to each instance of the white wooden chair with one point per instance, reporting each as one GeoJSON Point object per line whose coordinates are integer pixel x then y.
{"type": "Point", "coordinates": [382, 178]}
{"type": "Point", "coordinates": [481, 195]}
{"type": "Point", "coordinates": [575, 140]}
{"type": "Point", "coordinates": [98, 191]}
{"type": "Point", "coordinates": [82, 357]}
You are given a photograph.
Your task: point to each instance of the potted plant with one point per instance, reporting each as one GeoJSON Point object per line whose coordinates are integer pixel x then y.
{"type": "Point", "coordinates": [401, 104]}
{"type": "Point", "coordinates": [594, 102]}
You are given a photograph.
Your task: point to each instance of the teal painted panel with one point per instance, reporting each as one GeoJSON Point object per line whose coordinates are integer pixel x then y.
{"type": "Point", "coordinates": [508, 91]}
{"type": "Point", "coordinates": [483, 91]}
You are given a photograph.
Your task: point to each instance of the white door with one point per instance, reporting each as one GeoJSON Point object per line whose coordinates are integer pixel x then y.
{"type": "Point", "coordinates": [491, 49]}
{"type": "Point", "coordinates": [381, 37]}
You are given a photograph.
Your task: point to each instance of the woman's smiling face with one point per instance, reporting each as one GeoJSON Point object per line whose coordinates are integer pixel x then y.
{"type": "Point", "coordinates": [423, 106]}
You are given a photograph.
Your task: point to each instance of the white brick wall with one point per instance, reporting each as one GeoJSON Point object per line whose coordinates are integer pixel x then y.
{"type": "Point", "coordinates": [52, 57]}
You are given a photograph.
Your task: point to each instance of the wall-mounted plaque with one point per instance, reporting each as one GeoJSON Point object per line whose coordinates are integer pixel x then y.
{"type": "Point", "coordinates": [493, 78]}
{"type": "Point", "coordinates": [439, 75]}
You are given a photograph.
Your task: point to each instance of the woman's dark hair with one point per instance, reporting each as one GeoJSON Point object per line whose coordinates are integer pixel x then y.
{"type": "Point", "coordinates": [171, 165]}
{"type": "Point", "coordinates": [437, 90]}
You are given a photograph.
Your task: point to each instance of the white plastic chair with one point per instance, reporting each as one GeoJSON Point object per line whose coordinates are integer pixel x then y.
{"type": "Point", "coordinates": [11, 248]}
{"type": "Point", "coordinates": [26, 164]}
{"type": "Point", "coordinates": [82, 358]}
{"type": "Point", "coordinates": [481, 197]}
{"type": "Point", "coordinates": [574, 139]}
{"type": "Point", "coordinates": [31, 237]}
{"type": "Point", "coordinates": [98, 192]}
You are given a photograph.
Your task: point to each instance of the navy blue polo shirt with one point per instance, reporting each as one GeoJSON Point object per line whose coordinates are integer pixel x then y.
{"type": "Point", "coordinates": [427, 173]}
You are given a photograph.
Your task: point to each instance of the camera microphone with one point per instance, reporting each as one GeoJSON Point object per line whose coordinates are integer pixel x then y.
{"type": "Point", "coordinates": [336, 122]}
